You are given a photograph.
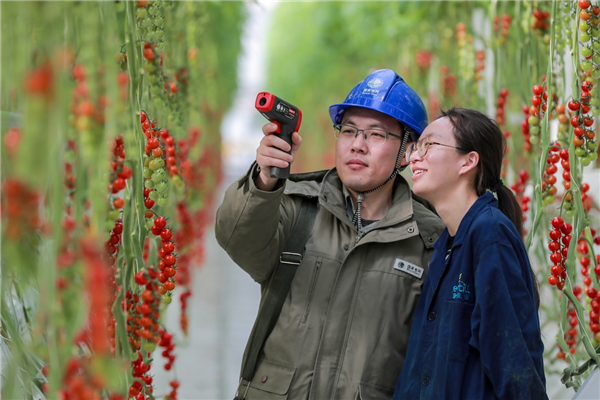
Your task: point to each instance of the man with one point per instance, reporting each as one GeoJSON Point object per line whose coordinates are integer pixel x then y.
{"type": "Point", "coordinates": [343, 330]}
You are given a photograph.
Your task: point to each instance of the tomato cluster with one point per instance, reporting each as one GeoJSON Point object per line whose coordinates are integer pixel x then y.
{"type": "Point", "coordinates": [563, 121]}
{"type": "Point", "coordinates": [548, 178]}
{"type": "Point", "coordinates": [538, 101]}
{"type": "Point", "coordinates": [501, 106]}
{"type": "Point", "coordinates": [20, 205]}
{"type": "Point", "coordinates": [589, 29]}
{"type": "Point", "coordinates": [582, 121]}
{"type": "Point", "coordinates": [505, 26]}
{"type": "Point", "coordinates": [480, 57]}
{"type": "Point", "coordinates": [155, 175]}
{"type": "Point", "coordinates": [519, 189]}
{"type": "Point", "coordinates": [527, 146]}
{"type": "Point", "coordinates": [541, 21]}
{"type": "Point", "coordinates": [570, 336]}
{"type": "Point", "coordinates": [567, 204]}
{"type": "Point", "coordinates": [423, 60]}
{"type": "Point", "coordinates": [166, 342]}
{"type": "Point", "coordinates": [560, 239]}
{"type": "Point", "coordinates": [151, 22]}
{"type": "Point", "coordinates": [142, 384]}
{"type": "Point", "coordinates": [448, 82]}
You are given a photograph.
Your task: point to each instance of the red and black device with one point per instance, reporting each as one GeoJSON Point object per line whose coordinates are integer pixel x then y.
{"type": "Point", "coordinates": [287, 118]}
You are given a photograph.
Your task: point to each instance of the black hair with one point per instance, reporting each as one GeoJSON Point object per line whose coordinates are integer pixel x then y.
{"type": "Point", "coordinates": [475, 131]}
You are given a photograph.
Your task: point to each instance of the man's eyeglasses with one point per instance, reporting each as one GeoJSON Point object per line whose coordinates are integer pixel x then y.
{"type": "Point", "coordinates": [373, 136]}
{"type": "Point", "coordinates": [422, 146]}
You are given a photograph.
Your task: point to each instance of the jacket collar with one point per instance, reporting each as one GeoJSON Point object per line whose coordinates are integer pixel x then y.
{"type": "Point", "coordinates": [483, 201]}
{"type": "Point", "coordinates": [441, 244]}
{"type": "Point", "coordinates": [329, 189]}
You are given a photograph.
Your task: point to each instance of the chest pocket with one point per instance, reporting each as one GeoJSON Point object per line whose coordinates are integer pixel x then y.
{"type": "Point", "coordinates": [456, 331]}
{"type": "Point", "coordinates": [271, 381]}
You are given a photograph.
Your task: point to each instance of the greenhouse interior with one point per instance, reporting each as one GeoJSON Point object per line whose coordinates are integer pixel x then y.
{"type": "Point", "coordinates": [116, 282]}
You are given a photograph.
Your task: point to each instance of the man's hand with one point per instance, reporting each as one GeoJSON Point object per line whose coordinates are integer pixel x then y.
{"type": "Point", "coordinates": [272, 153]}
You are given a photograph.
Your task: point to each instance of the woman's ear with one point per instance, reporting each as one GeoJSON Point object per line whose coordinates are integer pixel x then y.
{"type": "Point", "coordinates": [470, 162]}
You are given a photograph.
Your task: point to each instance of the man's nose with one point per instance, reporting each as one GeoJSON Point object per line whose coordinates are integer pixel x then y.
{"type": "Point", "coordinates": [359, 141]}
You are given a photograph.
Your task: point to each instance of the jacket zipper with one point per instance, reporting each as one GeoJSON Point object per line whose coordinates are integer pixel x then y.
{"type": "Point", "coordinates": [311, 291]}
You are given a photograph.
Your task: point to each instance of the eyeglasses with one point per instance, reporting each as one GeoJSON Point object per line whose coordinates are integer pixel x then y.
{"type": "Point", "coordinates": [372, 136]}
{"type": "Point", "coordinates": [422, 146]}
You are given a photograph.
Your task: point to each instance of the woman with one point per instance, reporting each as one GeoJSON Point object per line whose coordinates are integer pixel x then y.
{"type": "Point", "coordinates": [476, 332]}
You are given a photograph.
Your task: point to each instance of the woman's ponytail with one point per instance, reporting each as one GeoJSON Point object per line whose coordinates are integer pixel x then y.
{"type": "Point", "coordinates": [508, 204]}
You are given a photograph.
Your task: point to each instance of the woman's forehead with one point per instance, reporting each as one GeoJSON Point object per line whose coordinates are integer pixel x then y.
{"type": "Point", "coordinates": [440, 128]}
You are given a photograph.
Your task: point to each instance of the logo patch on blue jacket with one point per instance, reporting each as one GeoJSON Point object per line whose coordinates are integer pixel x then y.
{"type": "Point", "coordinates": [462, 290]}
{"type": "Point", "coordinates": [409, 268]}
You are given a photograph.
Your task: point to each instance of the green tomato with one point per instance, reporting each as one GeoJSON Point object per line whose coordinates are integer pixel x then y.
{"type": "Point", "coordinates": [162, 187]}
{"type": "Point", "coordinates": [592, 144]}
{"type": "Point", "coordinates": [146, 160]}
{"type": "Point", "coordinates": [594, 101]}
{"type": "Point", "coordinates": [579, 151]}
{"type": "Point", "coordinates": [593, 156]}
{"type": "Point", "coordinates": [585, 161]}
{"type": "Point", "coordinates": [160, 45]}
{"type": "Point", "coordinates": [561, 135]}
{"type": "Point", "coordinates": [570, 213]}
{"type": "Point", "coordinates": [586, 51]}
{"type": "Point", "coordinates": [147, 172]}
{"type": "Point", "coordinates": [584, 26]}
{"type": "Point", "coordinates": [150, 68]}
{"type": "Point", "coordinates": [595, 33]}
{"type": "Point", "coordinates": [166, 299]}
{"type": "Point", "coordinates": [146, 22]}
{"type": "Point", "coordinates": [533, 120]}
{"type": "Point", "coordinates": [152, 80]}
{"type": "Point", "coordinates": [596, 43]}
{"type": "Point", "coordinates": [584, 37]}
{"type": "Point", "coordinates": [149, 184]}
{"type": "Point", "coordinates": [547, 200]}
{"type": "Point", "coordinates": [562, 128]}
{"type": "Point", "coordinates": [154, 165]}
{"type": "Point", "coordinates": [534, 139]}
{"type": "Point", "coordinates": [160, 34]}
{"type": "Point", "coordinates": [586, 65]}
{"type": "Point", "coordinates": [149, 223]}
{"type": "Point", "coordinates": [162, 201]}
{"type": "Point", "coordinates": [114, 215]}
{"type": "Point", "coordinates": [534, 130]}
{"type": "Point", "coordinates": [149, 346]}
{"type": "Point", "coordinates": [154, 195]}
{"type": "Point", "coordinates": [161, 162]}
{"type": "Point", "coordinates": [157, 177]}
{"type": "Point", "coordinates": [567, 205]}
{"type": "Point", "coordinates": [142, 13]}
{"type": "Point", "coordinates": [156, 90]}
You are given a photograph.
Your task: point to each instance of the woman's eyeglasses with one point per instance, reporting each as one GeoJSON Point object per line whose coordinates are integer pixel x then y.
{"type": "Point", "coordinates": [422, 146]}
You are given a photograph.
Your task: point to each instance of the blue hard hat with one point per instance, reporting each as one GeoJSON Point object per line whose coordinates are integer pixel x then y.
{"type": "Point", "coordinates": [385, 91]}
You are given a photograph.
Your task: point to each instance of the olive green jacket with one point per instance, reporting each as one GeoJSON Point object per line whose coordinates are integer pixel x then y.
{"type": "Point", "coordinates": [344, 327]}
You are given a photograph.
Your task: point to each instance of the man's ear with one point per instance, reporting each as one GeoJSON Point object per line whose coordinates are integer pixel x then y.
{"type": "Point", "coordinates": [470, 162]}
{"type": "Point", "coordinates": [403, 162]}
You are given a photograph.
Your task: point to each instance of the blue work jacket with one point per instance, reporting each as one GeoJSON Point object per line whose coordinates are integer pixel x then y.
{"type": "Point", "coordinates": [476, 333]}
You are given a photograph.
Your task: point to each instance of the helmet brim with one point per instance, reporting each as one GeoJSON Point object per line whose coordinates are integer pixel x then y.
{"type": "Point", "coordinates": [336, 112]}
